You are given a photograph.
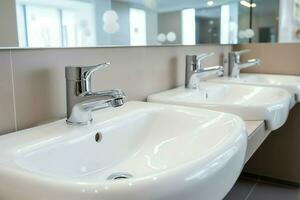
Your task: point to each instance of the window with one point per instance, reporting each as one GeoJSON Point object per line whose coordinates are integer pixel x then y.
{"type": "Point", "coordinates": [229, 23]}
{"type": "Point", "coordinates": [55, 24]}
{"type": "Point", "coordinates": [137, 18]}
{"type": "Point", "coordinates": [43, 27]}
{"type": "Point", "coordinates": [188, 26]}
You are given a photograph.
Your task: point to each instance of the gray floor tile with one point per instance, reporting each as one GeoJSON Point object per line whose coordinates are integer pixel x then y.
{"type": "Point", "coordinates": [272, 191]}
{"type": "Point", "coordinates": [241, 189]}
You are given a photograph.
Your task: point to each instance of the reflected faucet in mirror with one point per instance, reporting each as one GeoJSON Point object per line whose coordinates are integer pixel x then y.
{"type": "Point", "coordinates": [81, 100]}
{"type": "Point", "coordinates": [195, 72]}
{"type": "Point", "coordinates": [235, 64]}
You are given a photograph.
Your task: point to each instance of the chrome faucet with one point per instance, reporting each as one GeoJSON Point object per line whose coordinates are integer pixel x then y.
{"type": "Point", "coordinates": [235, 64]}
{"type": "Point", "coordinates": [81, 101]}
{"type": "Point", "coordinates": [194, 71]}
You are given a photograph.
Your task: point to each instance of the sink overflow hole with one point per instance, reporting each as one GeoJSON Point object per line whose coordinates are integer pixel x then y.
{"type": "Point", "coordinates": [98, 137]}
{"type": "Point", "coordinates": [118, 176]}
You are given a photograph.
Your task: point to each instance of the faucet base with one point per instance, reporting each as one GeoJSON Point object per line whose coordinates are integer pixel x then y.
{"type": "Point", "coordinates": [79, 123]}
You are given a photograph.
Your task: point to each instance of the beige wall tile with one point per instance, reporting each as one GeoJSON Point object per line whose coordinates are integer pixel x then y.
{"type": "Point", "coordinates": [7, 122]}
{"type": "Point", "coordinates": [40, 81]}
{"type": "Point", "coordinates": [8, 24]}
{"type": "Point", "coordinates": [276, 58]}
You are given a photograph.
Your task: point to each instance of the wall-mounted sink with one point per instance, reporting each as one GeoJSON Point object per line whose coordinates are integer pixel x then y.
{"type": "Point", "coordinates": [137, 151]}
{"type": "Point", "coordinates": [290, 83]}
{"type": "Point", "coordinates": [249, 102]}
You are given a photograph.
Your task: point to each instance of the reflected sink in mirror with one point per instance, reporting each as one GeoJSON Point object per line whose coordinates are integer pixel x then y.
{"type": "Point", "coordinates": [137, 151]}
{"type": "Point", "coordinates": [249, 102]}
{"type": "Point", "coordinates": [287, 82]}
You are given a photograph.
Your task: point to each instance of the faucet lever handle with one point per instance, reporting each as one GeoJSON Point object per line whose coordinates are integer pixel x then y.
{"type": "Point", "coordinates": [238, 53]}
{"type": "Point", "coordinates": [204, 55]}
{"type": "Point", "coordinates": [89, 70]}
{"type": "Point", "coordinates": [201, 57]}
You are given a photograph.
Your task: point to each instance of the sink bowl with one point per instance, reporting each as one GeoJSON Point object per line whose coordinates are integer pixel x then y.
{"type": "Point", "coordinates": [290, 83]}
{"type": "Point", "coordinates": [249, 102]}
{"type": "Point", "coordinates": [137, 151]}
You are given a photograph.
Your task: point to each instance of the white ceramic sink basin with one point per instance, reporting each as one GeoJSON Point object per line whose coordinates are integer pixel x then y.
{"type": "Point", "coordinates": [249, 102]}
{"type": "Point", "coordinates": [166, 152]}
{"type": "Point", "coordinates": [290, 83]}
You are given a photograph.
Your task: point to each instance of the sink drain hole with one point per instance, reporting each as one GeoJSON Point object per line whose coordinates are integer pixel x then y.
{"type": "Point", "coordinates": [119, 176]}
{"type": "Point", "coordinates": [98, 137]}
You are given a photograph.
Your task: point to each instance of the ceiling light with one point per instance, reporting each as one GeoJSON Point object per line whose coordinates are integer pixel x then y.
{"type": "Point", "coordinates": [247, 4]}
{"type": "Point", "coordinates": [210, 3]}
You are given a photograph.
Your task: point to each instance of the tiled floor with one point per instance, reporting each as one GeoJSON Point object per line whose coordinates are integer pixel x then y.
{"type": "Point", "coordinates": [256, 189]}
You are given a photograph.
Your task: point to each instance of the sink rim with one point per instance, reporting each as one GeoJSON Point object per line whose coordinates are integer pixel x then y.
{"type": "Point", "coordinates": [180, 91]}
{"type": "Point", "coordinates": [269, 111]}
{"type": "Point", "coordinates": [292, 86]}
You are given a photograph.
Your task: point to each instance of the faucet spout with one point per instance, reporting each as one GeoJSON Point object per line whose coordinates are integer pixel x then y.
{"type": "Point", "coordinates": [249, 63]}
{"type": "Point", "coordinates": [209, 71]}
{"type": "Point", "coordinates": [103, 99]}
{"type": "Point", "coordinates": [198, 75]}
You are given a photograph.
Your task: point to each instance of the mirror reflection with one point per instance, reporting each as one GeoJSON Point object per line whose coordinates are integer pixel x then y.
{"type": "Point", "coordinates": [81, 23]}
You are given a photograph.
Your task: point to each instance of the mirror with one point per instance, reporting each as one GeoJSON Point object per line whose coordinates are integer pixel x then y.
{"type": "Point", "coordinates": [86, 23]}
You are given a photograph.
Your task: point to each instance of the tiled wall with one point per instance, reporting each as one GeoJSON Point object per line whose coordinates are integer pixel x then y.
{"type": "Point", "coordinates": [32, 81]}
{"type": "Point", "coordinates": [278, 157]}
